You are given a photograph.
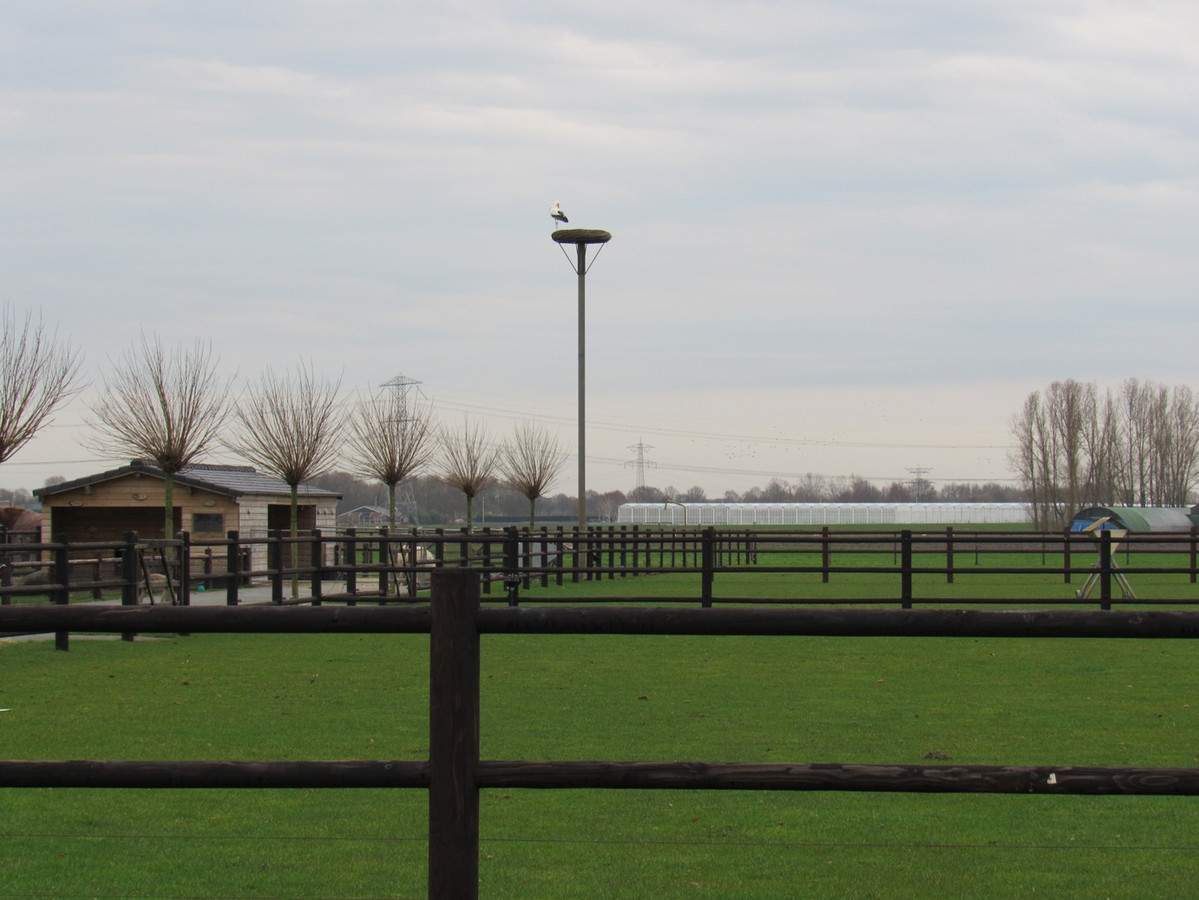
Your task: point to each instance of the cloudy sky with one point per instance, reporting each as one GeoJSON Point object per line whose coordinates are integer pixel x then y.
{"type": "Point", "coordinates": [848, 237]}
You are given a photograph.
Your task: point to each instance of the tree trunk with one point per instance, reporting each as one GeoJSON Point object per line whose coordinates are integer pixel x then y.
{"type": "Point", "coordinates": [168, 502]}
{"type": "Point", "coordinates": [295, 546]}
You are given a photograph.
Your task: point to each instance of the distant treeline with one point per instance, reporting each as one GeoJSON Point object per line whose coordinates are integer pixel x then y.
{"type": "Point", "coordinates": [427, 501]}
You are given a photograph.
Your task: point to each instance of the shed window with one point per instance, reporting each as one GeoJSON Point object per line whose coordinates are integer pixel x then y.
{"type": "Point", "coordinates": [208, 523]}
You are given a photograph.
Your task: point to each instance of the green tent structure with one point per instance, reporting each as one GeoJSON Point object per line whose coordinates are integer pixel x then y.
{"type": "Point", "coordinates": [1136, 519]}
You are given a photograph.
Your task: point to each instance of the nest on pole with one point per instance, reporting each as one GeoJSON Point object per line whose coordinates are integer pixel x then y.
{"type": "Point", "coordinates": [581, 236]}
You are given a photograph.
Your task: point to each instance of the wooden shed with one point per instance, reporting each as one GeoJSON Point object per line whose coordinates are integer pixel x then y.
{"type": "Point", "coordinates": [209, 501]}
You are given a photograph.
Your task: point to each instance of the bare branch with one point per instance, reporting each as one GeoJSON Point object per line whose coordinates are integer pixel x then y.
{"type": "Point", "coordinates": [468, 462]}
{"type": "Point", "coordinates": [530, 461]}
{"type": "Point", "coordinates": [290, 425]}
{"type": "Point", "coordinates": [167, 406]}
{"type": "Point", "coordinates": [390, 437]}
{"type": "Point", "coordinates": [37, 373]}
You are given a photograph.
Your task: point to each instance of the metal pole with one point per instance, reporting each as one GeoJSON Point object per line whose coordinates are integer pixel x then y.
{"type": "Point", "coordinates": [582, 270]}
{"type": "Point", "coordinates": [581, 237]}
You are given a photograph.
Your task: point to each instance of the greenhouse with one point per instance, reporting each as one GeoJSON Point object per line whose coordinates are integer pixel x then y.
{"type": "Point", "coordinates": [674, 513]}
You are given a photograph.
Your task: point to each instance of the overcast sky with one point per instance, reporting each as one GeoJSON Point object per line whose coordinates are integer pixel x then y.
{"type": "Point", "coordinates": [848, 237]}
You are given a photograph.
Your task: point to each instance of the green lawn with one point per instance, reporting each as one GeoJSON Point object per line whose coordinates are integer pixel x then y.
{"type": "Point", "coordinates": [870, 700]}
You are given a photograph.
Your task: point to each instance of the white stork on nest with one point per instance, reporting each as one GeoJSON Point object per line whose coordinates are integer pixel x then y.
{"type": "Point", "coordinates": [556, 213]}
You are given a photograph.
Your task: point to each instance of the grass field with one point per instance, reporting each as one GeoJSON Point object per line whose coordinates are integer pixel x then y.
{"type": "Point", "coordinates": [848, 700]}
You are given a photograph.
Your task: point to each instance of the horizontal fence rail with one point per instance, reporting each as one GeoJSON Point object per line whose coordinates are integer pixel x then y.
{"type": "Point", "coordinates": [454, 772]}
{"type": "Point", "coordinates": [607, 775]}
{"type": "Point", "coordinates": [778, 622]}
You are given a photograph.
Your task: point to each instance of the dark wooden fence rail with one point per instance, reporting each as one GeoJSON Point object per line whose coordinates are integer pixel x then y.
{"type": "Point", "coordinates": [454, 774]}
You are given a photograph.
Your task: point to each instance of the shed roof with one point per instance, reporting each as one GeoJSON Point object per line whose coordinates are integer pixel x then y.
{"type": "Point", "coordinates": [1138, 519]}
{"type": "Point", "coordinates": [233, 481]}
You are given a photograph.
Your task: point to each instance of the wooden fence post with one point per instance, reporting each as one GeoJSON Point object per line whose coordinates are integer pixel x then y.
{"type": "Point", "coordinates": [97, 574]}
{"type": "Point", "coordinates": [905, 568]}
{"type": "Point", "coordinates": [512, 565]}
{"type": "Point", "coordinates": [1194, 554]}
{"type": "Point", "coordinates": [545, 556]}
{"type": "Point", "coordinates": [485, 560]}
{"type": "Point", "coordinates": [1105, 569]}
{"type": "Point", "coordinates": [1066, 553]}
{"type": "Point", "coordinates": [386, 563]}
{"type": "Point", "coordinates": [438, 547]}
{"type": "Point", "coordinates": [232, 568]}
{"type": "Point", "coordinates": [826, 554]}
{"type": "Point", "coordinates": [274, 562]}
{"type": "Point", "coordinates": [185, 568]}
{"type": "Point", "coordinates": [611, 551]}
{"type": "Point", "coordinates": [708, 565]}
{"type": "Point", "coordinates": [949, 554]}
{"type": "Point", "coordinates": [454, 735]}
{"type": "Point", "coordinates": [350, 558]}
{"type": "Point", "coordinates": [129, 576]}
{"type": "Point", "coordinates": [61, 594]}
{"type": "Point", "coordinates": [560, 556]}
{"type": "Point", "coordinates": [316, 553]}
{"type": "Point", "coordinates": [411, 561]}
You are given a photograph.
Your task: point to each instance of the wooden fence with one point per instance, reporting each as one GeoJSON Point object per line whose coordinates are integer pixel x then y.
{"type": "Point", "coordinates": [454, 773]}
{"type": "Point", "coordinates": [381, 567]}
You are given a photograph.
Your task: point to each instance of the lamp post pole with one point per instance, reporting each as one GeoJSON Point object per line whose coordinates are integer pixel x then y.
{"type": "Point", "coordinates": [581, 268]}
{"type": "Point", "coordinates": [581, 238]}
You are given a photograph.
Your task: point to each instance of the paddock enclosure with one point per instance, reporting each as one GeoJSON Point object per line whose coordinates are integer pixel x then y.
{"type": "Point", "coordinates": [458, 613]}
{"type": "Point", "coordinates": [910, 566]}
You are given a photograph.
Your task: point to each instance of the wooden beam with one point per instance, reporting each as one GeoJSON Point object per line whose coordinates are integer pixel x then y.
{"type": "Point", "coordinates": [454, 736]}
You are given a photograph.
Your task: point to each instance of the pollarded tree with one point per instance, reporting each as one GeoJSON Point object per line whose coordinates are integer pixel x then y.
{"type": "Point", "coordinates": [391, 438]}
{"type": "Point", "coordinates": [467, 462]}
{"type": "Point", "coordinates": [291, 425]}
{"type": "Point", "coordinates": [37, 373]}
{"type": "Point", "coordinates": [530, 461]}
{"type": "Point", "coordinates": [168, 406]}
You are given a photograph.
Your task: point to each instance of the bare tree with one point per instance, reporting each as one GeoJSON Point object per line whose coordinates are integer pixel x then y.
{"type": "Point", "coordinates": [607, 504]}
{"type": "Point", "coordinates": [1034, 460]}
{"type": "Point", "coordinates": [390, 440]}
{"type": "Point", "coordinates": [1180, 454]}
{"type": "Point", "coordinates": [468, 462]}
{"type": "Point", "coordinates": [1139, 446]}
{"type": "Point", "coordinates": [530, 461]}
{"type": "Point", "coordinates": [37, 373]}
{"type": "Point", "coordinates": [291, 425]}
{"type": "Point", "coordinates": [1070, 406]}
{"type": "Point", "coordinates": [164, 405]}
